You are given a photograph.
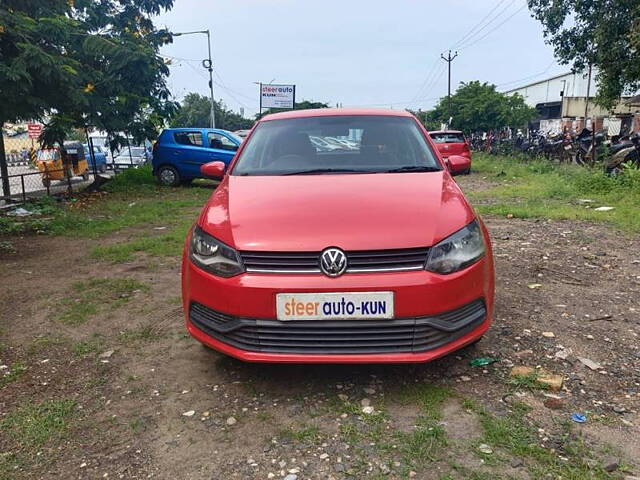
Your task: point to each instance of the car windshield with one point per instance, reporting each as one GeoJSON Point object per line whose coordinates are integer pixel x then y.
{"type": "Point", "coordinates": [336, 144]}
{"type": "Point", "coordinates": [447, 137]}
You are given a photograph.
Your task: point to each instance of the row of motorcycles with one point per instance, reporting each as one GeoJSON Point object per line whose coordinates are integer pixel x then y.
{"type": "Point", "coordinates": [566, 147]}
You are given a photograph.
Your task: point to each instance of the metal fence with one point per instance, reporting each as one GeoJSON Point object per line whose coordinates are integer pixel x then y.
{"type": "Point", "coordinates": [25, 180]}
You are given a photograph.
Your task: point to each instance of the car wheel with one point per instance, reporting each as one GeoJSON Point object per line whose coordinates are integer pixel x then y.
{"type": "Point", "coordinates": [103, 168]}
{"type": "Point", "coordinates": [168, 176]}
{"type": "Point", "coordinates": [467, 171]}
{"type": "Point", "coordinates": [85, 175]}
{"type": "Point", "coordinates": [46, 182]}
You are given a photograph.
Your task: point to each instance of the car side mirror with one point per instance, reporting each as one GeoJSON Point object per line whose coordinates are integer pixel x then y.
{"type": "Point", "coordinates": [213, 170]}
{"type": "Point", "coordinates": [457, 164]}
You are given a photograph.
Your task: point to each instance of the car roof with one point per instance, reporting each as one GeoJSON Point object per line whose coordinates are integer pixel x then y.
{"type": "Point", "coordinates": [329, 112]}
{"type": "Point", "coordinates": [445, 131]}
{"type": "Point", "coordinates": [188, 129]}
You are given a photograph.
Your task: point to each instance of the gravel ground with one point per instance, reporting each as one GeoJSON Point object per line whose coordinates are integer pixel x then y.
{"type": "Point", "coordinates": [148, 401]}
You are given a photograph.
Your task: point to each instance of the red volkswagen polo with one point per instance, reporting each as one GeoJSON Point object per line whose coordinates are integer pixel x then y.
{"type": "Point", "coordinates": [363, 252]}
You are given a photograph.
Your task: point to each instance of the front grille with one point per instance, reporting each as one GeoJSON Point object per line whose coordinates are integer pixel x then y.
{"type": "Point", "coordinates": [404, 335]}
{"type": "Point", "coordinates": [358, 261]}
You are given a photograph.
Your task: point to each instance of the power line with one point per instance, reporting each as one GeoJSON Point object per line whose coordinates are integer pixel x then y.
{"type": "Point", "coordinates": [434, 80]}
{"type": "Point", "coordinates": [493, 29]}
{"type": "Point", "coordinates": [433, 76]}
{"type": "Point", "coordinates": [221, 85]}
{"type": "Point", "coordinates": [528, 77]}
{"type": "Point", "coordinates": [473, 29]}
{"type": "Point", "coordinates": [430, 74]}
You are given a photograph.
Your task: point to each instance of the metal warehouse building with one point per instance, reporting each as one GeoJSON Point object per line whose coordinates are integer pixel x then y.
{"type": "Point", "coordinates": [561, 102]}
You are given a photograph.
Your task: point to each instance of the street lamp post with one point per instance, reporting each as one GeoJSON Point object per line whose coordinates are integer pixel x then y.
{"type": "Point", "coordinates": [208, 64]}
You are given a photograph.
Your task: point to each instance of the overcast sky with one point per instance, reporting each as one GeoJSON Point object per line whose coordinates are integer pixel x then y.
{"type": "Point", "coordinates": [356, 52]}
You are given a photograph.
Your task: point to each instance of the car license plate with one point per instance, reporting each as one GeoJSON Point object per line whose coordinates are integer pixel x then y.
{"type": "Point", "coordinates": [334, 306]}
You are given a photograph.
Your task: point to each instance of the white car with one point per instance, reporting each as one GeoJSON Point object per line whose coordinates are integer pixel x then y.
{"type": "Point", "coordinates": [125, 159]}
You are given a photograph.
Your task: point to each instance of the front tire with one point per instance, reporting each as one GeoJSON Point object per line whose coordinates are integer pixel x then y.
{"type": "Point", "coordinates": [168, 176]}
{"type": "Point", "coordinates": [103, 168]}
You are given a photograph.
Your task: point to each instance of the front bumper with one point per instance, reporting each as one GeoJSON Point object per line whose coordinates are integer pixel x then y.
{"type": "Point", "coordinates": [434, 315]}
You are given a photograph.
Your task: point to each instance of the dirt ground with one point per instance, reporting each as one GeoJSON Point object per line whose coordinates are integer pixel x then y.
{"type": "Point", "coordinates": [150, 402]}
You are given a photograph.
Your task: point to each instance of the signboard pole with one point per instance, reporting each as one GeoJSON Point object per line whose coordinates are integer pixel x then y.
{"type": "Point", "coordinates": [260, 98]}
{"type": "Point", "coordinates": [294, 97]}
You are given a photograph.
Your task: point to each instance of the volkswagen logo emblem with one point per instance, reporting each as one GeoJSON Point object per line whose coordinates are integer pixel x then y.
{"type": "Point", "coordinates": [333, 262]}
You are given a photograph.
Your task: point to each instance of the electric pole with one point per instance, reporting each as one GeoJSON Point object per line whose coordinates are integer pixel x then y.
{"type": "Point", "coordinates": [449, 59]}
{"type": "Point", "coordinates": [207, 64]}
{"type": "Point", "coordinates": [586, 102]}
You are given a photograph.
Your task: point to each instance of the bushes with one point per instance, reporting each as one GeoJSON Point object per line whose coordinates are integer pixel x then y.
{"type": "Point", "coordinates": [132, 179]}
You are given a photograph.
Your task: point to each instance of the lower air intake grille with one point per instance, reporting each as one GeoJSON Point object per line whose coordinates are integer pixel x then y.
{"type": "Point", "coordinates": [406, 335]}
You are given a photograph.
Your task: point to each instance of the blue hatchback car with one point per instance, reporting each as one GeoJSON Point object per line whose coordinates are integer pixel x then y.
{"type": "Point", "coordinates": [179, 152]}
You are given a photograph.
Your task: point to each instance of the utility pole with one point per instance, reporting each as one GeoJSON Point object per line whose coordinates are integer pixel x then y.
{"type": "Point", "coordinates": [586, 103]}
{"type": "Point", "coordinates": [449, 59]}
{"type": "Point", "coordinates": [208, 64]}
{"type": "Point", "coordinates": [586, 112]}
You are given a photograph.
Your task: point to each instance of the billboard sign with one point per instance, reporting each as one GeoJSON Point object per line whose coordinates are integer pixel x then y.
{"type": "Point", "coordinates": [34, 130]}
{"type": "Point", "coordinates": [277, 96]}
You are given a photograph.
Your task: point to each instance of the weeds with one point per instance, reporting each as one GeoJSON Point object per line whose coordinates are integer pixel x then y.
{"type": "Point", "coordinates": [540, 188]}
{"type": "Point", "coordinates": [92, 345]}
{"type": "Point", "coordinates": [15, 372]}
{"type": "Point", "coordinates": [96, 295]}
{"type": "Point", "coordinates": [121, 209]}
{"type": "Point", "coordinates": [166, 245]}
{"type": "Point", "coordinates": [33, 425]}
{"type": "Point", "coordinates": [133, 179]}
{"type": "Point", "coordinates": [303, 434]}
{"type": "Point", "coordinates": [530, 382]}
{"type": "Point", "coordinates": [514, 434]}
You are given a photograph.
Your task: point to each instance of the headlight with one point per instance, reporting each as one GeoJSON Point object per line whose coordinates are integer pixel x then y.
{"type": "Point", "coordinates": [213, 256]}
{"type": "Point", "coordinates": [457, 251]}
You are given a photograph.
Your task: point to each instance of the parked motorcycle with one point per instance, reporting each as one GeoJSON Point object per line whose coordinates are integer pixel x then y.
{"type": "Point", "coordinates": [583, 146]}
{"type": "Point", "coordinates": [630, 154]}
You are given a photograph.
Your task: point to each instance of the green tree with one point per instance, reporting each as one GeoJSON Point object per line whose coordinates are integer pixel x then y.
{"type": "Point", "coordinates": [478, 106]}
{"type": "Point", "coordinates": [603, 33]}
{"type": "Point", "coordinates": [194, 112]}
{"type": "Point", "coordinates": [83, 63]}
{"type": "Point", "coordinates": [304, 105]}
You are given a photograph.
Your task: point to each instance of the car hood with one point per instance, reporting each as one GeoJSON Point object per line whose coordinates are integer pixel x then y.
{"type": "Point", "coordinates": [353, 212]}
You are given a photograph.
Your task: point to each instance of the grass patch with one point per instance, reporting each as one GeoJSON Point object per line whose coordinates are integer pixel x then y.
{"type": "Point", "coordinates": [169, 244]}
{"type": "Point", "coordinates": [45, 342]}
{"type": "Point", "coordinates": [142, 334]}
{"type": "Point", "coordinates": [430, 397]}
{"type": "Point", "coordinates": [96, 295]}
{"type": "Point", "coordinates": [133, 179]}
{"type": "Point", "coordinates": [516, 435]}
{"type": "Point", "coordinates": [138, 425]}
{"type": "Point", "coordinates": [15, 372]}
{"type": "Point", "coordinates": [93, 345]}
{"type": "Point", "coordinates": [529, 382]}
{"type": "Point", "coordinates": [303, 434]}
{"type": "Point", "coordinates": [127, 206]}
{"type": "Point", "coordinates": [422, 446]}
{"type": "Point", "coordinates": [35, 424]}
{"type": "Point", "coordinates": [541, 189]}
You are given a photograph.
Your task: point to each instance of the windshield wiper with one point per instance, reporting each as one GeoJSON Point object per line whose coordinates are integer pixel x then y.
{"type": "Point", "coordinates": [412, 168]}
{"type": "Point", "coordinates": [318, 171]}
